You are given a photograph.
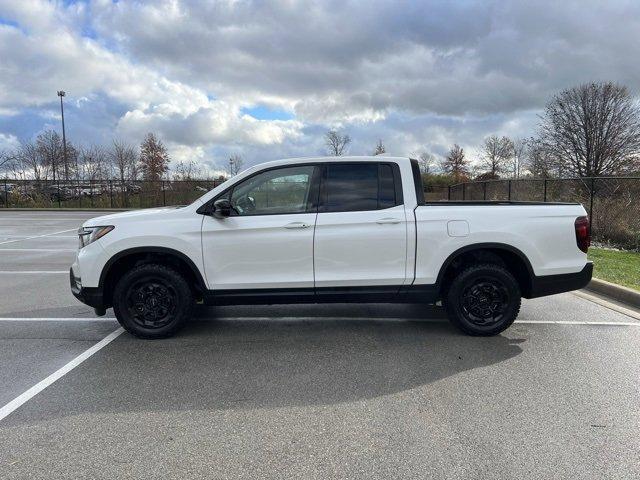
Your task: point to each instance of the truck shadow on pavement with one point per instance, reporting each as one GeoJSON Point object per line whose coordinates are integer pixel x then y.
{"type": "Point", "coordinates": [314, 356]}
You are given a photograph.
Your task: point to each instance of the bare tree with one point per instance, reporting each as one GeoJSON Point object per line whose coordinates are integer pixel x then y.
{"type": "Point", "coordinates": [11, 164]}
{"type": "Point", "coordinates": [7, 160]}
{"type": "Point", "coordinates": [455, 164]}
{"type": "Point", "coordinates": [124, 160]}
{"type": "Point", "coordinates": [31, 161]}
{"type": "Point", "coordinates": [539, 161]}
{"type": "Point", "coordinates": [520, 151]}
{"type": "Point", "coordinates": [50, 150]}
{"type": "Point", "coordinates": [154, 158]}
{"type": "Point", "coordinates": [92, 163]}
{"type": "Point", "coordinates": [496, 153]}
{"type": "Point", "coordinates": [426, 161]}
{"type": "Point", "coordinates": [336, 142]}
{"type": "Point", "coordinates": [187, 171]}
{"type": "Point", "coordinates": [380, 148]}
{"type": "Point", "coordinates": [235, 165]}
{"type": "Point", "coordinates": [593, 129]}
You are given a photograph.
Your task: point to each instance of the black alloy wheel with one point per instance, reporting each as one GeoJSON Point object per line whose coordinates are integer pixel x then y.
{"type": "Point", "coordinates": [152, 301]}
{"type": "Point", "coordinates": [483, 299]}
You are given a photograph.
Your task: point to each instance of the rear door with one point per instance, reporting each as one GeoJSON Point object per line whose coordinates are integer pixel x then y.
{"type": "Point", "coordinates": [361, 229]}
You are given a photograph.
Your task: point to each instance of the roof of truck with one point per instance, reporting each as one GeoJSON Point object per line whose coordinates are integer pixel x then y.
{"type": "Point", "coordinates": [350, 158]}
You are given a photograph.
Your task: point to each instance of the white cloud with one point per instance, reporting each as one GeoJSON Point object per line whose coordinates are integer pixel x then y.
{"type": "Point", "coordinates": [44, 56]}
{"type": "Point", "coordinates": [217, 122]}
{"type": "Point", "coordinates": [420, 76]}
{"type": "Point", "coordinates": [8, 142]}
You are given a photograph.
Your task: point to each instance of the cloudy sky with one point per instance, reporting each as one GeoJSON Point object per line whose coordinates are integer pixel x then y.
{"type": "Point", "coordinates": [265, 79]}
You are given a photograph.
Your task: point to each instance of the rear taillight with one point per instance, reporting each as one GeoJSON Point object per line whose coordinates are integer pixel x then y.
{"type": "Point", "coordinates": [583, 233]}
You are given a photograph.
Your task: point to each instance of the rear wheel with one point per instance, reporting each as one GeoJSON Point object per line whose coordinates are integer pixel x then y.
{"type": "Point", "coordinates": [483, 299]}
{"type": "Point", "coordinates": [152, 301]}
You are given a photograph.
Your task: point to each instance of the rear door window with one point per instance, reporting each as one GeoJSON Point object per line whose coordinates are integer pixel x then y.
{"type": "Point", "coordinates": [386, 187]}
{"type": "Point", "coordinates": [350, 187]}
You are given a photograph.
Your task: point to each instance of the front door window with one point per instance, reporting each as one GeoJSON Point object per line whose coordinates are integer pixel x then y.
{"type": "Point", "coordinates": [274, 192]}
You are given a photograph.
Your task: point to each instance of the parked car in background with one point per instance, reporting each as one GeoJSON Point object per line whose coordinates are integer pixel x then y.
{"type": "Point", "coordinates": [134, 188]}
{"type": "Point", "coordinates": [325, 230]}
{"type": "Point", "coordinates": [57, 192]}
{"type": "Point", "coordinates": [131, 188]}
{"type": "Point", "coordinates": [87, 190]}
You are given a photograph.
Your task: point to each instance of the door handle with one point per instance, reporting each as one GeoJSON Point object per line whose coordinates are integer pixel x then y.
{"type": "Point", "coordinates": [297, 225]}
{"type": "Point", "coordinates": [384, 221]}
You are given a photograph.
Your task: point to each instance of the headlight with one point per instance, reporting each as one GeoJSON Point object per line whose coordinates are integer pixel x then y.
{"type": "Point", "coordinates": [89, 235]}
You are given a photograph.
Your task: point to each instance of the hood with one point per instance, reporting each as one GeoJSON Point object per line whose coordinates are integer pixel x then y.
{"type": "Point", "coordinates": [131, 215]}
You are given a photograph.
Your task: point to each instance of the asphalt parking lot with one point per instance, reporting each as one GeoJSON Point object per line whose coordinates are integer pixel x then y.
{"type": "Point", "coordinates": [313, 392]}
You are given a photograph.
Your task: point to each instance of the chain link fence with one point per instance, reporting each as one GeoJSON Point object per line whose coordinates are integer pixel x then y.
{"type": "Point", "coordinates": [613, 203]}
{"type": "Point", "coordinates": [435, 193]}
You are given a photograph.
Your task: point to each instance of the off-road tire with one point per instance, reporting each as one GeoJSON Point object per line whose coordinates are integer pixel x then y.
{"type": "Point", "coordinates": [487, 288]}
{"type": "Point", "coordinates": [143, 295]}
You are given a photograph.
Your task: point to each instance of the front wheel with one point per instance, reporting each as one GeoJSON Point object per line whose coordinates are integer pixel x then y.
{"type": "Point", "coordinates": [483, 300]}
{"type": "Point", "coordinates": [152, 301]}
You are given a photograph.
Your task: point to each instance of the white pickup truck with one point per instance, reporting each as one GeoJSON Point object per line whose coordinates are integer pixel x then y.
{"type": "Point", "coordinates": [314, 230]}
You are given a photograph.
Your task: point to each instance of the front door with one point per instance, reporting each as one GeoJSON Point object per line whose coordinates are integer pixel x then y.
{"type": "Point", "coordinates": [361, 229]}
{"type": "Point", "coordinates": [267, 242]}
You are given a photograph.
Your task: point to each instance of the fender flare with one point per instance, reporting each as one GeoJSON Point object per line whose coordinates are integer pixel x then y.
{"type": "Point", "coordinates": [483, 246]}
{"type": "Point", "coordinates": [161, 250]}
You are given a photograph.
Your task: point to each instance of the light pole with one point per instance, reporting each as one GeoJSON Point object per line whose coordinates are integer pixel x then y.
{"type": "Point", "coordinates": [61, 94]}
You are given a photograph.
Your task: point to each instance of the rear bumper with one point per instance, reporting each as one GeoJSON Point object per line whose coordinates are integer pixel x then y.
{"type": "Point", "coordinates": [92, 296]}
{"type": "Point", "coordinates": [566, 282]}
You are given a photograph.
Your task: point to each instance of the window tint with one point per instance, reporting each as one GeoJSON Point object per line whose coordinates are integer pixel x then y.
{"type": "Point", "coordinates": [387, 195]}
{"type": "Point", "coordinates": [351, 187]}
{"type": "Point", "coordinates": [359, 187]}
{"type": "Point", "coordinates": [283, 190]}
{"type": "Point", "coordinates": [417, 181]}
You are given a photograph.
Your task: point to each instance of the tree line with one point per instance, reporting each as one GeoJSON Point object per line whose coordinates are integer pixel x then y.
{"type": "Point", "coordinates": [44, 159]}
{"type": "Point", "coordinates": [589, 130]}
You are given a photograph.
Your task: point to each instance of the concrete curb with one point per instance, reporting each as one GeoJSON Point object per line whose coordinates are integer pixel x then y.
{"type": "Point", "coordinates": [617, 292]}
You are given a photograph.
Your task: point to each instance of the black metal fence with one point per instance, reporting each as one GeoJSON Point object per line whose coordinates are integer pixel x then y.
{"type": "Point", "coordinates": [100, 193]}
{"type": "Point", "coordinates": [613, 203]}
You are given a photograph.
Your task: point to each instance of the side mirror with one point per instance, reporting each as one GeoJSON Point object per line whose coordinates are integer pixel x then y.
{"type": "Point", "coordinates": [222, 208]}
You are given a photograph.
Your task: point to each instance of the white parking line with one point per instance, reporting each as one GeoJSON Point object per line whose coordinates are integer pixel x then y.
{"type": "Point", "coordinates": [22, 237]}
{"type": "Point", "coordinates": [57, 319]}
{"type": "Point", "coordinates": [431, 320]}
{"type": "Point", "coordinates": [53, 218]}
{"type": "Point", "coordinates": [38, 236]}
{"type": "Point", "coordinates": [46, 219]}
{"type": "Point", "coordinates": [40, 386]}
{"type": "Point", "coordinates": [37, 272]}
{"type": "Point", "coordinates": [37, 249]}
{"type": "Point", "coordinates": [390, 319]}
{"type": "Point", "coordinates": [570, 322]}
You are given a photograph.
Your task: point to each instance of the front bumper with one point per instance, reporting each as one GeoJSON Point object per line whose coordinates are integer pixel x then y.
{"type": "Point", "coordinates": [92, 296]}
{"type": "Point", "coordinates": [566, 282]}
